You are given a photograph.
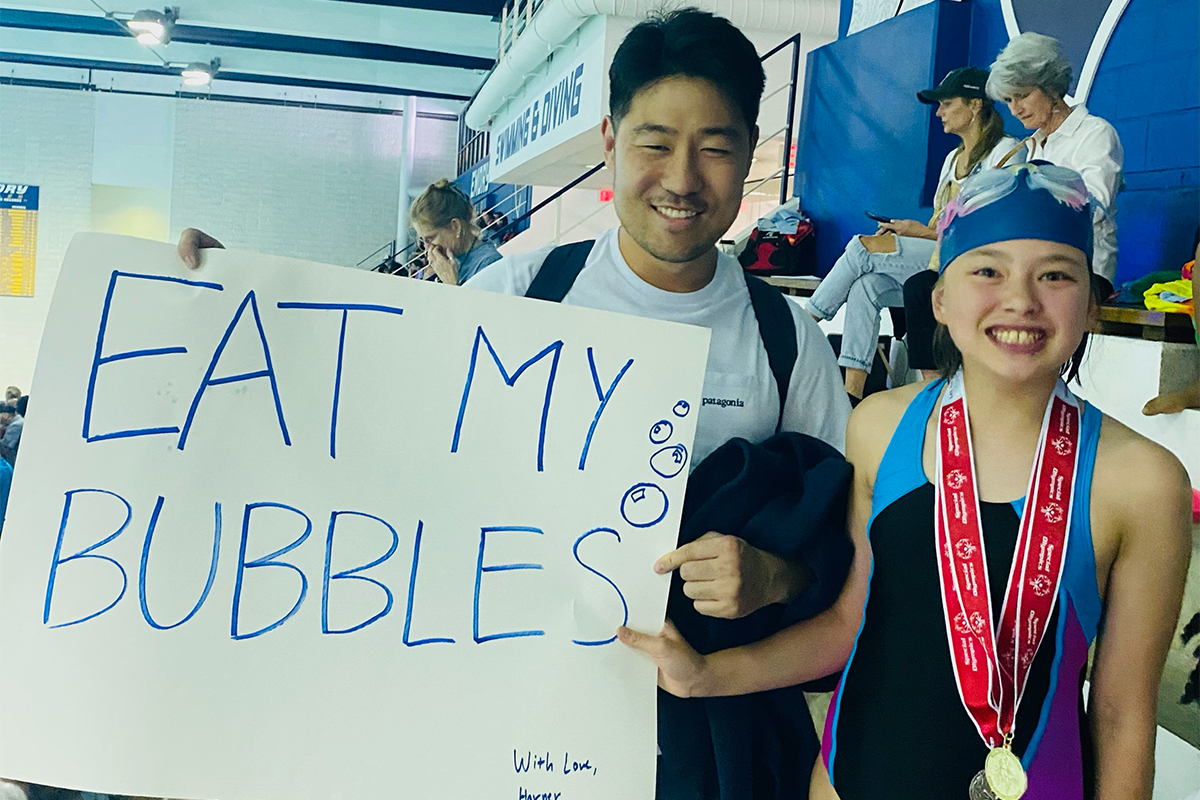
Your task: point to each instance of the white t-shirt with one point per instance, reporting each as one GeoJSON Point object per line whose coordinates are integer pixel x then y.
{"type": "Point", "coordinates": [740, 396]}
{"type": "Point", "coordinates": [1091, 147]}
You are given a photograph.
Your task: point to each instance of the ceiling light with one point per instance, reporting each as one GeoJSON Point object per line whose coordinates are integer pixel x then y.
{"type": "Point", "coordinates": [199, 73]}
{"type": "Point", "coordinates": [153, 27]}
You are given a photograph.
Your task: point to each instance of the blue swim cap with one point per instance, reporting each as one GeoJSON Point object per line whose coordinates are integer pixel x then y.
{"type": "Point", "coordinates": [1037, 200]}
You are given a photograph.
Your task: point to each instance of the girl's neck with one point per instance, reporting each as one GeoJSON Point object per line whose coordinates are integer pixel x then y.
{"type": "Point", "coordinates": [1005, 405]}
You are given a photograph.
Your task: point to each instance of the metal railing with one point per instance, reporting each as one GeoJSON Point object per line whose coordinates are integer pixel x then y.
{"type": "Point", "coordinates": [515, 17]}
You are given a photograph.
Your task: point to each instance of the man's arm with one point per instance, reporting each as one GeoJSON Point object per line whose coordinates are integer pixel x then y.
{"type": "Point", "coordinates": [1143, 597]}
{"type": "Point", "coordinates": [805, 651]}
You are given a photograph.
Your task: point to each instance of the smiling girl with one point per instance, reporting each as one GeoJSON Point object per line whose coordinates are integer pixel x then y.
{"type": "Point", "coordinates": [994, 540]}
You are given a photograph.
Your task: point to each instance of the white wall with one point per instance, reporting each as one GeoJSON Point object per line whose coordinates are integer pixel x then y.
{"type": "Point", "coordinates": [46, 141]}
{"type": "Point", "coordinates": [303, 182]}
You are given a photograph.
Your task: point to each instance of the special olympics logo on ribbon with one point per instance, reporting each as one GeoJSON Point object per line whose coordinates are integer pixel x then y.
{"type": "Point", "coordinates": [964, 548]}
{"type": "Point", "coordinates": [950, 415]}
{"type": "Point", "coordinates": [978, 623]}
{"type": "Point", "coordinates": [1053, 513]}
{"type": "Point", "coordinates": [1062, 445]}
{"type": "Point", "coordinates": [1040, 585]}
{"type": "Point", "coordinates": [956, 478]}
{"type": "Point", "coordinates": [961, 623]}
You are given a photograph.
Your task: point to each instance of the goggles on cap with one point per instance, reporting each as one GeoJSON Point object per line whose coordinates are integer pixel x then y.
{"type": "Point", "coordinates": [1036, 200]}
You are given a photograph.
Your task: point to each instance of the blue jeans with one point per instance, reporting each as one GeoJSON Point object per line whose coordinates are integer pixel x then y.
{"type": "Point", "coordinates": [866, 283]}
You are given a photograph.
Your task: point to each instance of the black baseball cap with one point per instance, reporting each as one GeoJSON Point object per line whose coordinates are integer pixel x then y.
{"type": "Point", "coordinates": [961, 82]}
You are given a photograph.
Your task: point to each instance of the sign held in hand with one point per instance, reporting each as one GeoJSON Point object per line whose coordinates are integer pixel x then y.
{"type": "Point", "coordinates": [283, 531]}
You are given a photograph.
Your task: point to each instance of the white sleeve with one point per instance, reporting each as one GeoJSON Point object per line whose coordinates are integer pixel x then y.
{"type": "Point", "coordinates": [817, 404]}
{"type": "Point", "coordinates": [511, 274]}
{"type": "Point", "coordinates": [1100, 159]}
{"type": "Point", "coordinates": [947, 170]}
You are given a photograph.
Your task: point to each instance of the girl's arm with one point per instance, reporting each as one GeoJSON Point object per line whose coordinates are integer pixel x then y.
{"type": "Point", "coordinates": [809, 649]}
{"type": "Point", "coordinates": [1142, 601]}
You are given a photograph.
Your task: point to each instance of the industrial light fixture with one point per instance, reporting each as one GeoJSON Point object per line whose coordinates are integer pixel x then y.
{"type": "Point", "coordinates": [153, 27]}
{"type": "Point", "coordinates": [199, 73]}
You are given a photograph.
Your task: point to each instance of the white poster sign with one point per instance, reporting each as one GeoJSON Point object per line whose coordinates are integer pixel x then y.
{"type": "Point", "coordinates": [282, 531]}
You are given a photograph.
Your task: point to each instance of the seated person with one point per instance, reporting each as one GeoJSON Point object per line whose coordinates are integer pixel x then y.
{"type": "Point", "coordinates": [444, 219]}
{"type": "Point", "coordinates": [1031, 75]}
{"type": "Point", "coordinates": [870, 274]}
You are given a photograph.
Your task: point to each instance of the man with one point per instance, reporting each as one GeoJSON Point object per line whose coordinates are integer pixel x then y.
{"type": "Point", "coordinates": [685, 90]}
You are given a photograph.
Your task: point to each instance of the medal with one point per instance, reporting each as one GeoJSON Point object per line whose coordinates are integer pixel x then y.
{"type": "Point", "coordinates": [991, 662]}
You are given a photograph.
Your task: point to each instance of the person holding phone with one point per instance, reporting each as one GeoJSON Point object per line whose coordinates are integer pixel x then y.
{"type": "Point", "coordinates": [870, 274]}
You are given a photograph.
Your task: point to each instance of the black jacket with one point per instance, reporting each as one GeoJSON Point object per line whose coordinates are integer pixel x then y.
{"type": "Point", "coordinates": [787, 496]}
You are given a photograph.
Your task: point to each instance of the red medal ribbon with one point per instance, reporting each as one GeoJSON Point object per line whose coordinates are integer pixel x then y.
{"type": "Point", "coordinates": [991, 663]}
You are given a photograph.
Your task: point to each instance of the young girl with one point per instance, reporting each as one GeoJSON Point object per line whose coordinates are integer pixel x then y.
{"type": "Point", "coordinates": [965, 623]}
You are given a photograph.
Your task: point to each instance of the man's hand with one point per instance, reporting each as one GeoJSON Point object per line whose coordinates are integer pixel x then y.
{"type": "Point", "coordinates": [191, 242]}
{"type": "Point", "coordinates": [444, 264]}
{"type": "Point", "coordinates": [728, 578]}
{"type": "Point", "coordinates": [680, 668]}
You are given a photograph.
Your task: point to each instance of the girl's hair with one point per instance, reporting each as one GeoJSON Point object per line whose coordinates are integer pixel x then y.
{"type": "Point", "coordinates": [991, 134]}
{"type": "Point", "coordinates": [949, 359]}
{"type": "Point", "coordinates": [1030, 60]}
{"type": "Point", "coordinates": [442, 202]}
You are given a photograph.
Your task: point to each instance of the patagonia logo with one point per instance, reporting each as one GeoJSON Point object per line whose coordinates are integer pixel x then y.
{"type": "Point", "coordinates": [722, 402]}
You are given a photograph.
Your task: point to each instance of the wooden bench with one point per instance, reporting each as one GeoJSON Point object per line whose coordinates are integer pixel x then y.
{"type": "Point", "coordinates": [799, 285]}
{"type": "Point", "coordinates": [1140, 323]}
{"type": "Point", "coordinates": [1135, 323]}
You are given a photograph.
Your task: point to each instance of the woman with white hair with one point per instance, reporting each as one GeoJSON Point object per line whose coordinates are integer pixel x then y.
{"type": "Point", "coordinates": [1032, 77]}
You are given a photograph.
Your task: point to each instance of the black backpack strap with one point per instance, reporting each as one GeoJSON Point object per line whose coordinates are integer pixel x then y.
{"type": "Point", "coordinates": [559, 271]}
{"type": "Point", "coordinates": [777, 328]}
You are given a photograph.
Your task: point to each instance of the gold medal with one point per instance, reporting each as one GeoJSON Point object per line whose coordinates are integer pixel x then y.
{"type": "Point", "coordinates": [1004, 773]}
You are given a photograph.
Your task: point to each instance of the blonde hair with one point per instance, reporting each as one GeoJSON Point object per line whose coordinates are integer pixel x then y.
{"type": "Point", "coordinates": [442, 202]}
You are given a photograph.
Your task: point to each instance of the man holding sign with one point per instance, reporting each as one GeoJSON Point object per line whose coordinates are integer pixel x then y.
{"type": "Point", "coordinates": [685, 93]}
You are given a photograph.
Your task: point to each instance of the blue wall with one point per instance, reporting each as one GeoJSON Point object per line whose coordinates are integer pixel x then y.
{"type": "Point", "coordinates": [1147, 86]}
{"type": "Point", "coordinates": [866, 143]}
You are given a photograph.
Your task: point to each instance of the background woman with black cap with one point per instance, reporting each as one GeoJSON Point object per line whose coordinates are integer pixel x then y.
{"type": "Point", "coordinates": [869, 275]}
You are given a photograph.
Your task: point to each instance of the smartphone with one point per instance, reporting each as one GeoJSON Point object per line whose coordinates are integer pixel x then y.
{"type": "Point", "coordinates": [877, 218]}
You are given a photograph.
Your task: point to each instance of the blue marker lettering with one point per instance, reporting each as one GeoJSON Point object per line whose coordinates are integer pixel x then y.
{"type": "Point", "coordinates": [555, 348]}
{"type": "Point", "coordinates": [85, 553]}
{"type": "Point", "coordinates": [267, 372]}
{"type": "Point", "coordinates": [412, 591]}
{"type": "Point", "coordinates": [266, 561]}
{"type": "Point", "coordinates": [604, 398]}
{"type": "Point", "coordinates": [99, 359]}
{"type": "Point", "coordinates": [212, 567]}
{"type": "Point", "coordinates": [345, 308]}
{"type": "Point", "coordinates": [480, 569]}
{"type": "Point", "coordinates": [606, 579]}
{"type": "Point", "coordinates": [352, 574]}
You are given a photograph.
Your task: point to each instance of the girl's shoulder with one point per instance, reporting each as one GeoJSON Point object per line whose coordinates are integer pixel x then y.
{"type": "Point", "coordinates": [1135, 480]}
{"type": "Point", "coordinates": [874, 422]}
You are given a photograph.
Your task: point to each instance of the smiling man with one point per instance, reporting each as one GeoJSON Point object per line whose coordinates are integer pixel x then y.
{"type": "Point", "coordinates": [685, 89]}
{"type": "Point", "coordinates": [684, 96]}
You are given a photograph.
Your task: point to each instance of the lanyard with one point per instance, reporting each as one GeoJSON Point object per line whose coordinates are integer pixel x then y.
{"type": "Point", "coordinates": [991, 662]}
